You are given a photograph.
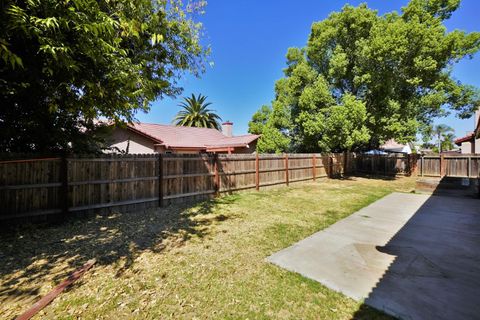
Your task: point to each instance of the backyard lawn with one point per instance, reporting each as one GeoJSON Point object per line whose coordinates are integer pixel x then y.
{"type": "Point", "coordinates": [202, 261]}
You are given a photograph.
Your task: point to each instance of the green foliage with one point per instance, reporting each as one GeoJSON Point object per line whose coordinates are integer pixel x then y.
{"type": "Point", "coordinates": [363, 78]}
{"type": "Point", "coordinates": [259, 120]}
{"type": "Point", "coordinates": [447, 142]}
{"type": "Point", "coordinates": [195, 113]}
{"type": "Point", "coordinates": [65, 63]}
{"type": "Point", "coordinates": [343, 126]}
{"type": "Point", "coordinates": [272, 141]}
{"type": "Point", "coordinates": [442, 134]}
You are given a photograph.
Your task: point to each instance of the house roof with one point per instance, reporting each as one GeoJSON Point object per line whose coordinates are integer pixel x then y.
{"type": "Point", "coordinates": [189, 137]}
{"type": "Point", "coordinates": [392, 144]}
{"type": "Point", "coordinates": [464, 139]}
{"type": "Point", "coordinates": [470, 136]}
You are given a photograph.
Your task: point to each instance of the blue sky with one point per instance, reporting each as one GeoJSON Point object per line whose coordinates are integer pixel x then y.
{"type": "Point", "coordinates": [249, 40]}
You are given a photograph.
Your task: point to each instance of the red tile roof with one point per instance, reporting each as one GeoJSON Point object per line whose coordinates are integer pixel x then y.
{"type": "Point", "coordinates": [463, 139]}
{"type": "Point", "coordinates": [470, 136]}
{"type": "Point", "coordinates": [189, 137]}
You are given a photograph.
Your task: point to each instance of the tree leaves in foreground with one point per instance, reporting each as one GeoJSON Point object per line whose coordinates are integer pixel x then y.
{"type": "Point", "coordinates": [363, 79]}
{"type": "Point", "coordinates": [195, 113]}
{"type": "Point", "coordinates": [65, 63]}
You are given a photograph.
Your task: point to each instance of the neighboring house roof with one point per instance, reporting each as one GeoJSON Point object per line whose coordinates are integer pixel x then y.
{"type": "Point", "coordinates": [393, 146]}
{"type": "Point", "coordinates": [459, 141]}
{"type": "Point", "coordinates": [189, 137]}
{"type": "Point", "coordinates": [471, 136]}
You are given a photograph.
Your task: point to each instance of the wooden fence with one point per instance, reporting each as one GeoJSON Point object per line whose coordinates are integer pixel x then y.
{"type": "Point", "coordinates": [49, 186]}
{"type": "Point", "coordinates": [457, 166]}
{"type": "Point", "coordinates": [388, 165]}
{"type": "Point", "coordinates": [460, 166]}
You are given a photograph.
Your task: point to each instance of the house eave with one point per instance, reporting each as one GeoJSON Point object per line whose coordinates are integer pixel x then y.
{"type": "Point", "coordinates": [461, 140]}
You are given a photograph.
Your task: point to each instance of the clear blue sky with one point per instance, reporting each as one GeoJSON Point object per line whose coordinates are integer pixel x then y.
{"type": "Point", "coordinates": [249, 40]}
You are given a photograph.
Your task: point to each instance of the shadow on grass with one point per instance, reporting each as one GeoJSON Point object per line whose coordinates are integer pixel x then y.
{"type": "Point", "coordinates": [34, 255]}
{"type": "Point", "coordinates": [374, 176]}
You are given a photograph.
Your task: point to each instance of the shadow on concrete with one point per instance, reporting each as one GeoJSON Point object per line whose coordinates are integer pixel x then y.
{"type": "Point", "coordinates": [449, 186]}
{"type": "Point", "coordinates": [435, 273]}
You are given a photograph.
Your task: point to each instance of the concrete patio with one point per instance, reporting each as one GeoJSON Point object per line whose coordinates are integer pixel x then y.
{"type": "Point", "coordinates": [412, 256]}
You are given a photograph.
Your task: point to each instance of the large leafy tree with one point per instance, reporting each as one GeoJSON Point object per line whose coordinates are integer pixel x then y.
{"type": "Point", "coordinates": [271, 124]}
{"type": "Point", "coordinates": [195, 113]}
{"type": "Point", "coordinates": [364, 78]}
{"type": "Point", "coordinates": [64, 64]}
{"type": "Point", "coordinates": [259, 120]}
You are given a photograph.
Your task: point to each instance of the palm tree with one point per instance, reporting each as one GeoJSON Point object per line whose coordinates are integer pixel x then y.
{"type": "Point", "coordinates": [196, 114]}
{"type": "Point", "coordinates": [442, 131]}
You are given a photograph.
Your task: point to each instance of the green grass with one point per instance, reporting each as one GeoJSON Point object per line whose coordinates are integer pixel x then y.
{"type": "Point", "coordinates": [203, 261]}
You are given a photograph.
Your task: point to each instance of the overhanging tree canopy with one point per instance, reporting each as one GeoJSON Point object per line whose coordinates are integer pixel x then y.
{"type": "Point", "coordinates": [65, 63]}
{"type": "Point", "coordinates": [365, 78]}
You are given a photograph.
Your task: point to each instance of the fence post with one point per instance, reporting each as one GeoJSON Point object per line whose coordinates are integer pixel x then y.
{"type": "Point", "coordinates": [257, 173]}
{"type": "Point", "coordinates": [442, 165]}
{"type": "Point", "coordinates": [373, 164]}
{"type": "Point", "coordinates": [314, 167]}
{"type": "Point", "coordinates": [64, 180]}
{"type": "Point", "coordinates": [415, 164]}
{"type": "Point", "coordinates": [422, 164]}
{"type": "Point", "coordinates": [286, 170]}
{"type": "Point", "coordinates": [385, 164]}
{"type": "Point", "coordinates": [330, 165]}
{"type": "Point", "coordinates": [407, 167]}
{"type": "Point", "coordinates": [345, 162]}
{"type": "Point", "coordinates": [469, 162]}
{"type": "Point", "coordinates": [160, 180]}
{"type": "Point", "coordinates": [216, 184]}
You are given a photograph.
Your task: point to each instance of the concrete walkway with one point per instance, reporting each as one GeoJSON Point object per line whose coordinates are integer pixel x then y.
{"type": "Point", "coordinates": [412, 256]}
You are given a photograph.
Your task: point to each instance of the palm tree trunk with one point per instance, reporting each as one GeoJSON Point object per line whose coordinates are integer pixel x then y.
{"type": "Point", "coordinates": [439, 144]}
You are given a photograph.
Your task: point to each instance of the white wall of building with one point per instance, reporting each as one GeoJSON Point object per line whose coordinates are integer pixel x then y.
{"type": "Point", "coordinates": [466, 147]}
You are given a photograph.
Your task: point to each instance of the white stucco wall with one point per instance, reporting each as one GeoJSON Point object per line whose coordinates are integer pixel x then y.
{"type": "Point", "coordinates": [466, 148]}
{"type": "Point", "coordinates": [120, 138]}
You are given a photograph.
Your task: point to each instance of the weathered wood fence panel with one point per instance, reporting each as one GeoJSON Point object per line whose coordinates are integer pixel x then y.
{"type": "Point", "coordinates": [393, 164]}
{"type": "Point", "coordinates": [30, 187]}
{"type": "Point", "coordinates": [236, 172]}
{"type": "Point", "coordinates": [188, 176]}
{"type": "Point", "coordinates": [430, 166]}
{"type": "Point", "coordinates": [461, 166]}
{"type": "Point", "coordinates": [40, 187]}
{"type": "Point", "coordinates": [95, 183]}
